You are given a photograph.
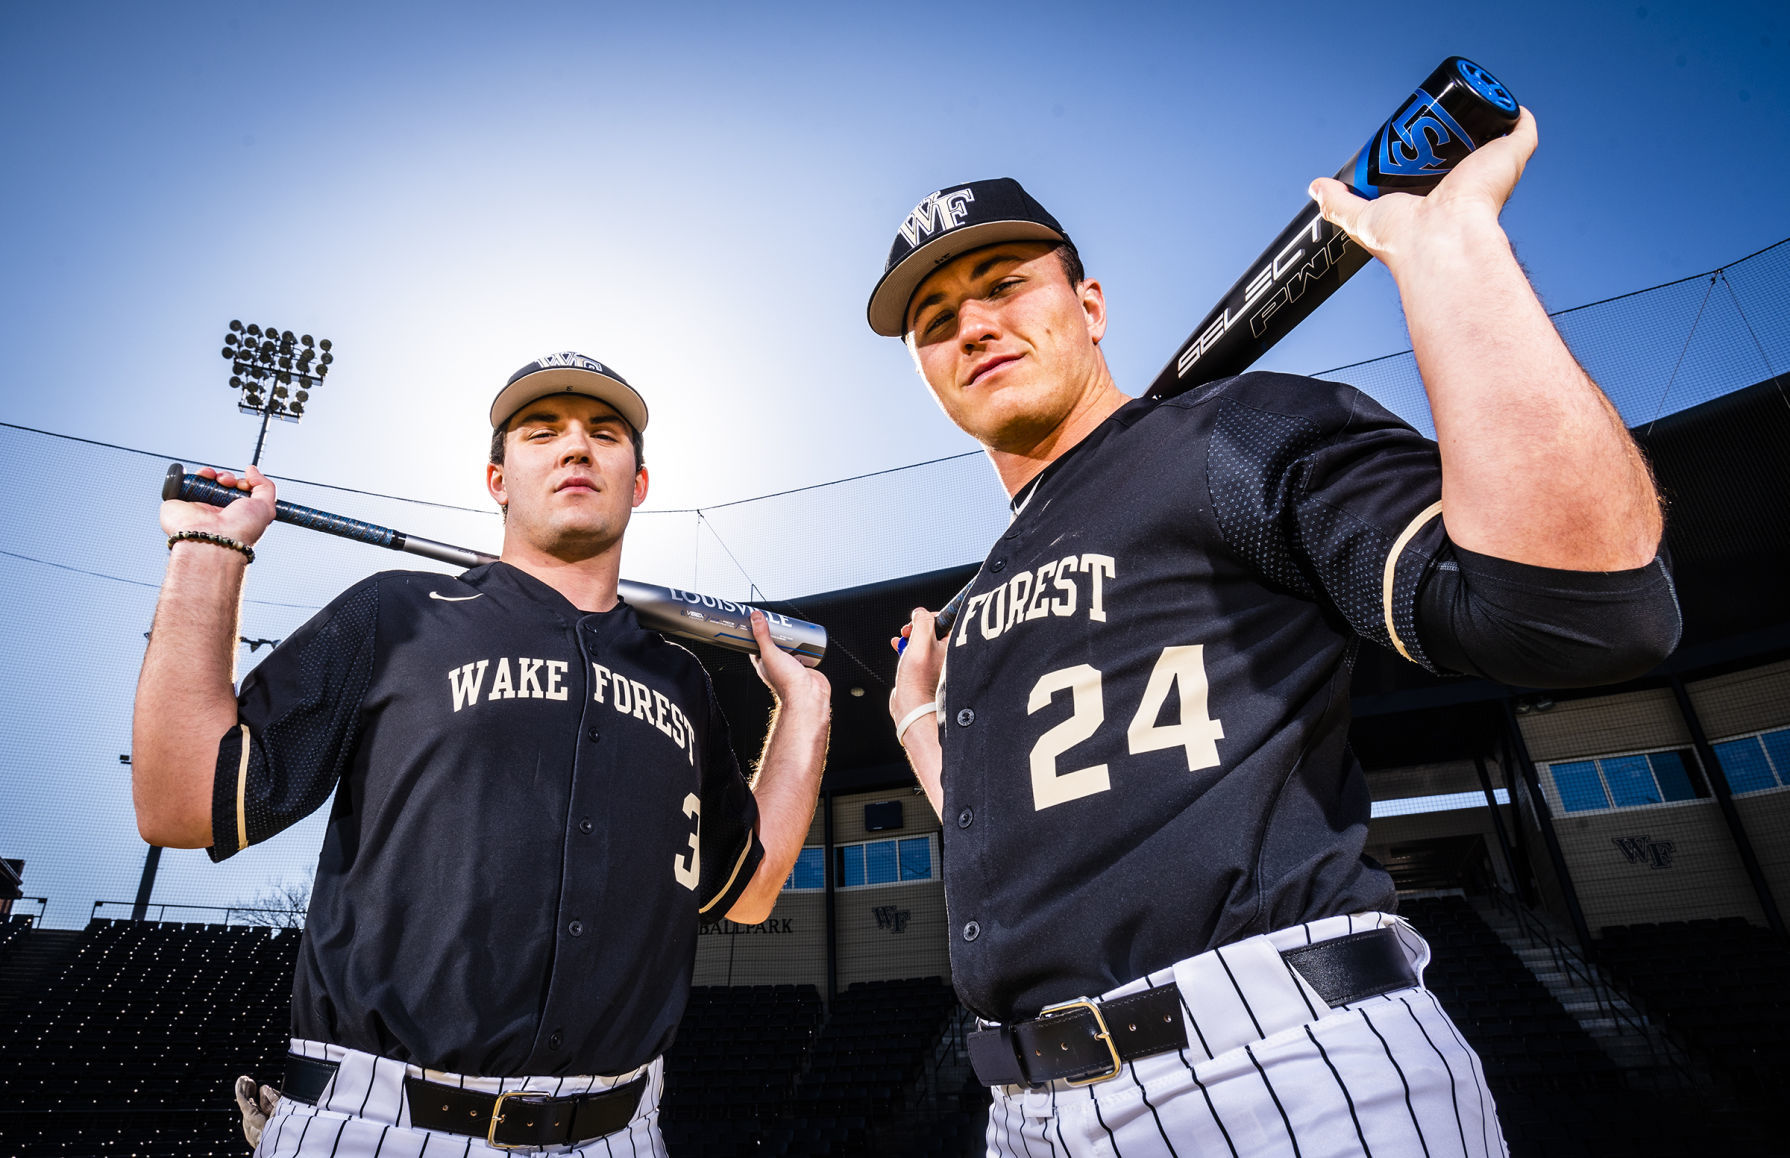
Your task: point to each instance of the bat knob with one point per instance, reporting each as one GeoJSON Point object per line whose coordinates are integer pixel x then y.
{"type": "Point", "coordinates": [171, 484]}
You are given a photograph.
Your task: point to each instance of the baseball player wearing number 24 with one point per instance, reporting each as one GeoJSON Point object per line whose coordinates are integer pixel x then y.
{"type": "Point", "coordinates": [536, 802]}
{"type": "Point", "coordinates": [1160, 907]}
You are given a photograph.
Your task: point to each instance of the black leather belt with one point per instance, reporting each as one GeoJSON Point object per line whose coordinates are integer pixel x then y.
{"type": "Point", "coordinates": [1088, 1042]}
{"type": "Point", "coordinates": [520, 1119]}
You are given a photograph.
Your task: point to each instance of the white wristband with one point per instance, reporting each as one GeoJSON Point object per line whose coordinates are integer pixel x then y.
{"type": "Point", "coordinates": [907, 721]}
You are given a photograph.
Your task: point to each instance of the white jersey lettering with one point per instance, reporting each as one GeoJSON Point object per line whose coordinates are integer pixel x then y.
{"type": "Point", "coordinates": [1098, 567]}
{"type": "Point", "coordinates": [502, 688]}
{"type": "Point", "coordinates": [528, 686]}
{"type": "Point", "coordinates": [467, 682]}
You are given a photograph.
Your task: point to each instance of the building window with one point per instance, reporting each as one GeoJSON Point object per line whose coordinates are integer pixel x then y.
{"type": "Point", "coordinates": [1628, 781]}
{"type": "Point", "coordinates": [810, 871]}
{"type": "Point", "coordinates": [1753, 763]}
{"type": "Point", "coordinates": [869, 862]}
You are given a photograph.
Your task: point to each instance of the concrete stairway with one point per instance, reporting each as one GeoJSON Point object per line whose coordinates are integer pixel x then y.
{"type": "Point", "coordinates": [1625, 1034]}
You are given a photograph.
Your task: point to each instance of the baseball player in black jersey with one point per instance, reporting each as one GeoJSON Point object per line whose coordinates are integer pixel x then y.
{"type": "Point", "coordinates": [536, 801]}
{"type": "Point", "coordinates": [1136, 730]}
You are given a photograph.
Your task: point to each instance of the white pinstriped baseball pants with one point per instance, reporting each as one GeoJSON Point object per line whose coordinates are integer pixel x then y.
{"type": "Point", "coordinates": [1270, 1071]}
{"type": "Point", "coordinates": [363, 1113]}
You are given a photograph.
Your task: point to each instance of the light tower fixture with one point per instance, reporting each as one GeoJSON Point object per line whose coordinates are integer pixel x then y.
{"type": "Point", "coordinates": [275, 371]}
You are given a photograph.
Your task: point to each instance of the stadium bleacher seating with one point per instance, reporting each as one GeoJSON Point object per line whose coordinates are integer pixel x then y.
{"type": "Point", "coordinates": [1557, 1091]}
{"type": "Point", "coordinates": [1721, 984]}
{"type": "Point", "coordinates": [13, 925]}
{"type": "Point", "coordinates": [765, 1070]}
{"type": "Point", "coordinates": [128, 1046]}
{"type": "Point", "coordinates": [132, 1045]}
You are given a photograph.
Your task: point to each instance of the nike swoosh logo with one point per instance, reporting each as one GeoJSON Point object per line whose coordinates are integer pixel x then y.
{"type": "Point", "coordinates": [452, 598]}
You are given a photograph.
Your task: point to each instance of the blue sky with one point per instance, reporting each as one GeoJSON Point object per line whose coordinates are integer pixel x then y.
{"type": "Point", "coordinates": [702, 195]}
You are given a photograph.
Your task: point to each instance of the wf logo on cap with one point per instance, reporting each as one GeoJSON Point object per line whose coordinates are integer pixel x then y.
{"type": "Point", "coordinates": [575, 361]}
{"type": "Point", "coordinates": [939, 212]}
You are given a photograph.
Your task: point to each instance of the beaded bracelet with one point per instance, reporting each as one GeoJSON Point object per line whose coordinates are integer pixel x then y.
{"type": "Point", "coordinates": [248, 552]}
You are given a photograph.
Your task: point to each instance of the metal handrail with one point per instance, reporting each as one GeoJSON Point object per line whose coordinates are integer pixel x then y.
{"type": "Point", "coordinates": [1605, 990]}
{"type": "Point", "coordinates": [229, 911]}
{"type": "Point", "coordinates": [43, 905]}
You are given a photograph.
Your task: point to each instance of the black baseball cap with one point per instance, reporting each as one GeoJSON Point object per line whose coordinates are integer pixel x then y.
{"type": "Point", "coordinates": [568, 373]}
{"type": "Point", "coordinates": [947, 223]}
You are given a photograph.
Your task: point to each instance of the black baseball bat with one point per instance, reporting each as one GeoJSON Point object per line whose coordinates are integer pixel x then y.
{"type": "Point", "coordinates": [1459, 107]}
{"type": "Point", "coordinates": [672, 610]}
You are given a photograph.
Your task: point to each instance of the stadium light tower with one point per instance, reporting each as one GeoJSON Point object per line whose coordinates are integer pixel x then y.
{"type": "Point", "coordinates": [275, 371]}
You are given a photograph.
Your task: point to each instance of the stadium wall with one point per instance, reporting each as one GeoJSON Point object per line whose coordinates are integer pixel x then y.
{"type": "Point", "coordinates": [881, 931]}
{"type": "Point", "coordinates": [1670, 861]}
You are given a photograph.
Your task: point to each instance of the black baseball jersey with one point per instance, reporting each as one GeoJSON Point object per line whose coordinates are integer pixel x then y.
{"type": "Point", "coordinates": [538, 806]}
{"type": "Point", "coordinates": [1146, 697]}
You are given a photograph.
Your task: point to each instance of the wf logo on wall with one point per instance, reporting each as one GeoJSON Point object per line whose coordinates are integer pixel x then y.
{"type": "Point", "coordinates": [1644, 850]}
{"type": "Point", "coordinates": [891, 918]}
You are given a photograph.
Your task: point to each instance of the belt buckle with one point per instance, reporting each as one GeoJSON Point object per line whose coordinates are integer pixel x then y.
{"type": "Point", "coordinates": [1104, 1035]}
{"type": "Point", "coordinates": [497, 1116]}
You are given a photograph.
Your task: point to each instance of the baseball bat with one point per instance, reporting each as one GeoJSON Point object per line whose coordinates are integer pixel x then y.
{"type": "Point", "coordinates": [671, 610]}
{"type": "Point", "coordinates": [1459, 107]}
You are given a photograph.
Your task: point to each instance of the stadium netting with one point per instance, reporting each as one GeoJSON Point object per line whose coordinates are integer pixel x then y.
{"type": "Point", "coordinates": [1604, 874]}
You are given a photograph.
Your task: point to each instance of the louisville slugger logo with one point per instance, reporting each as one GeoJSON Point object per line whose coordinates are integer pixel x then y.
{"type": "Point", "coordinates": [1414, 143]}
{"type": "Point", "coordinates": [940, 212]}
{"type": "Point", "coordinates": [740, 611]}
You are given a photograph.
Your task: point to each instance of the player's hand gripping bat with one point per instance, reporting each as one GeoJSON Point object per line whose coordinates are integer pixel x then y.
{"type": "Point", "coordinates": [671, 610]}
{"type": "Point", "coordinates": [1458, 108]}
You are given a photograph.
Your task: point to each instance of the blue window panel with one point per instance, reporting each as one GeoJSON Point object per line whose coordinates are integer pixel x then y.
{"type": "Point", "coordinates": [809, 871]}
{"type": "Point", "coordinates": [879, 863]}
{"type": "Point", "coordinates": [1630, 779]}
{"type": "Point", "coordinates": [1677, 778]}
{"type": "Point", "coordinates": [1744, 763]}
{"type": "Point", "coordinates": [1778, 744]}
{"type": "Point", "coordinates": [1580, 789]}
{"type": "Point", "coordinates": [916, 859]}
{"type": "Point", "coordinates": [851, 865]}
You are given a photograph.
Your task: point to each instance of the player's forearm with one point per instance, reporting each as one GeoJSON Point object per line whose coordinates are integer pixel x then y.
{"type": "Point", "coordinates": [185, 698]}
{"type": "Point", "coordinates": [1537, 467]}
{"type": "Point", "coordinates": [786, 788]}
{"type": "Point", "coordinates": [928, 762]}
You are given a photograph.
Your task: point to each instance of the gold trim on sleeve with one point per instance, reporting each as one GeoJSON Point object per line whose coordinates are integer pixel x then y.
{"type": "Point", "coordinates": [242, 788]}
{"type": "Point", "coordinates": [737, 866]}
{"type": "Point", "coordinates": [1398, 547]}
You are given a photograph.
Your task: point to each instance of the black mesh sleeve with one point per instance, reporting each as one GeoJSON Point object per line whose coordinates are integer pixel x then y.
{"type": "Point", "coordinates": [298, 715]}
{"type": "Point", "coordinates": [1328, 495]}
{"type": "Point", "coordinates": [1544, 628]}
{"type": "Point", "coordinates": [731, 851]}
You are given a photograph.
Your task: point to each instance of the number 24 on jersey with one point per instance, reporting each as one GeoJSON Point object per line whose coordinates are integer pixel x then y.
{"type": "Point", "coordinates": [1180, 668]}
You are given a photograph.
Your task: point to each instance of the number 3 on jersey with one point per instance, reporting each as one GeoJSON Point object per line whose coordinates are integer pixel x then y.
{"type": "Point", "coordinates": [1180, 668]}
{"type": "Point", "coordinates": [688, 870]}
